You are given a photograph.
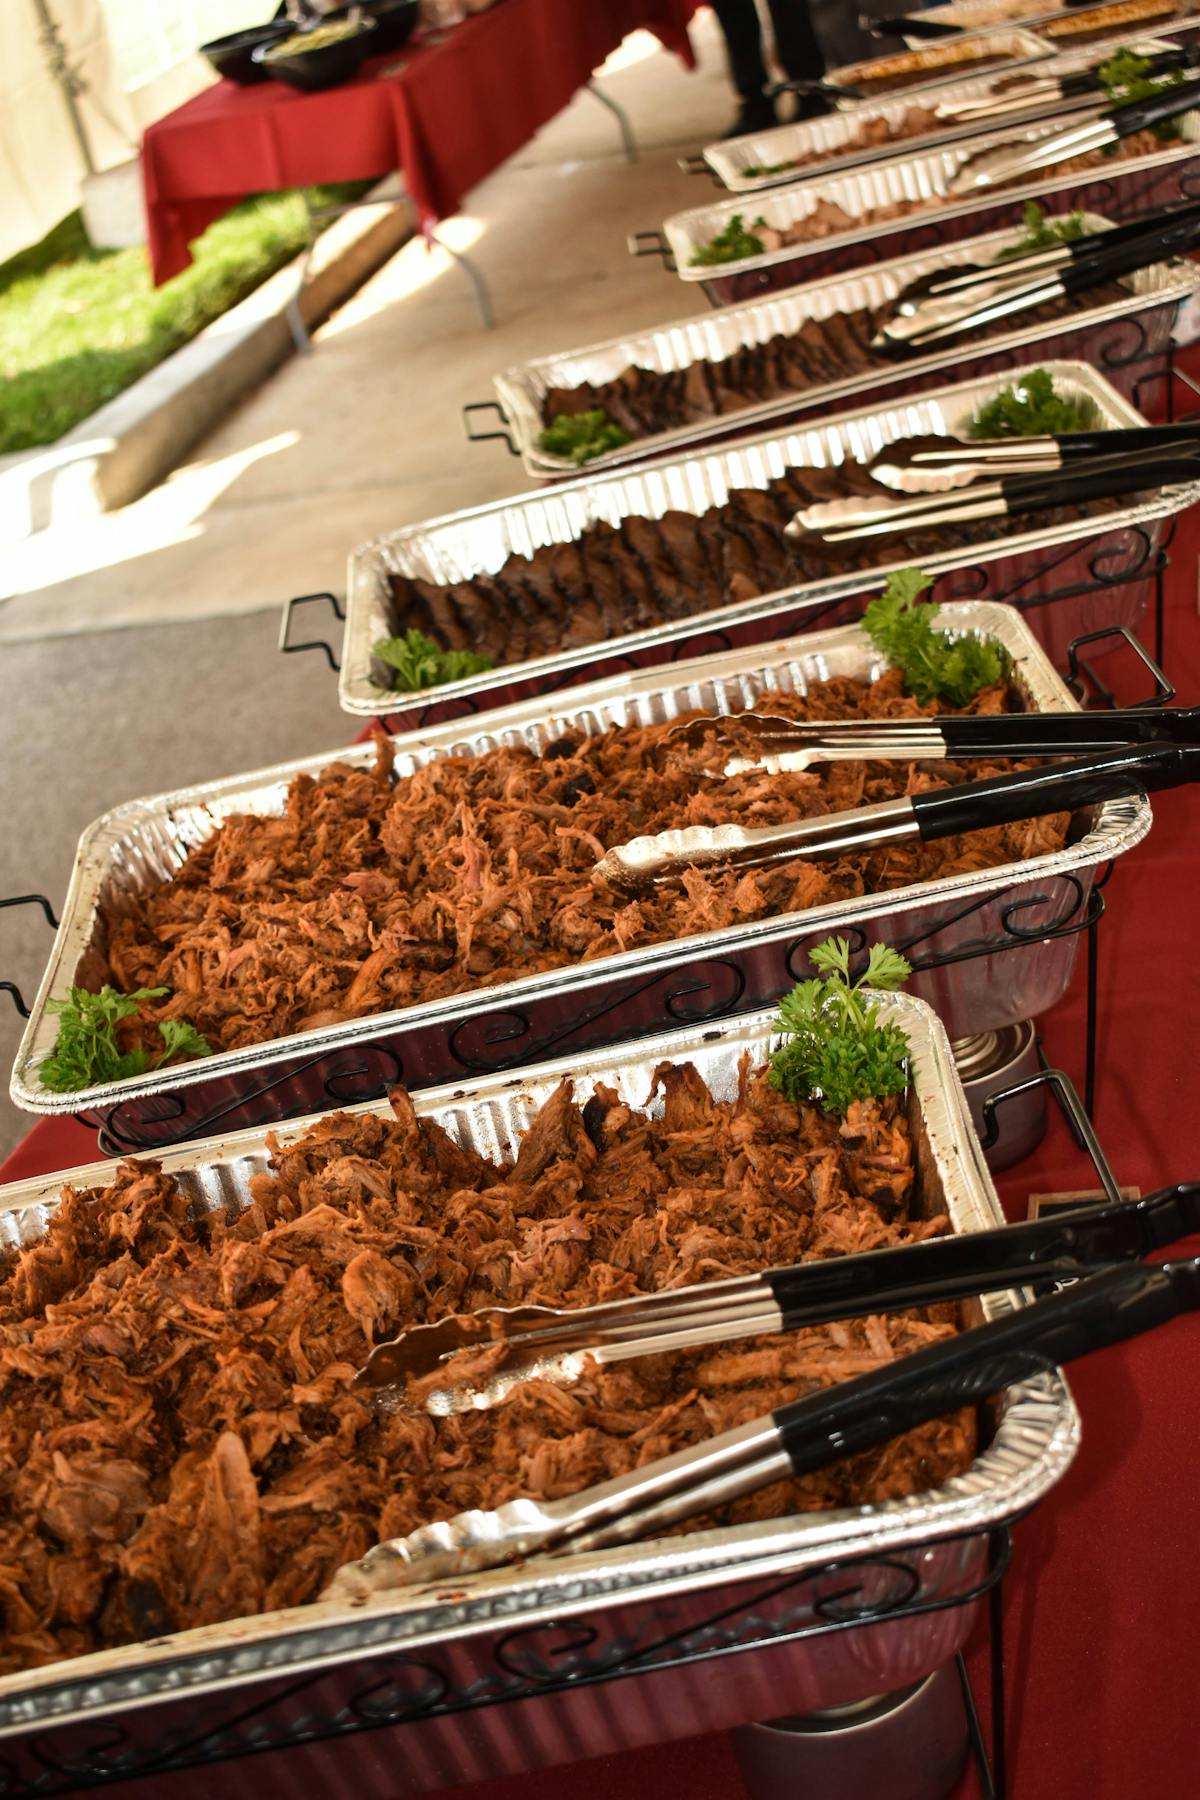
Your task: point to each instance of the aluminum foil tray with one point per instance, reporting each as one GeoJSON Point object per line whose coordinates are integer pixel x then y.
{"type": "Point", "coordinates": [706, 975]}
{"type": "Point", "coordinates": [909, 175]}
{"type": "Point", "coordinates": [1124, 16]}
{"type": "Point", "coordinates": [732, 158]}
{"type": "Point", "coordinates": [480, 539]}
{"type": "Point", "coordinates": [468, 1640]}
{"type": "Point", "coordinates": [1153, 295]}
{"type": "Point", "coordinates": [943, 61]}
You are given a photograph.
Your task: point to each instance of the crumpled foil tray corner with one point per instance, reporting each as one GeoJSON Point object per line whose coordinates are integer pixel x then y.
{"type": "Point", "coordinates": [147, 840]}
{"type": "Point", "coordinates": [1036, 1435]}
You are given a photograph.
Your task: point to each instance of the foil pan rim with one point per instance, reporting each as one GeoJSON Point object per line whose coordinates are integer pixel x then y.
{"type": "Point", "coordinates": [1036, 1435]}
{"type": "Point", "coordinates": [1119, 825]}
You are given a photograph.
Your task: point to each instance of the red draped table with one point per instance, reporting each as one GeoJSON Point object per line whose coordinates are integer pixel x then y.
{"type": "Point", "coordinates": [447, 113]}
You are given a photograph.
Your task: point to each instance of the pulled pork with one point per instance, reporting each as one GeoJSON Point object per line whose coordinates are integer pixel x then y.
{"type": "Point", "coordinates": [180, 1443]}
{"type": "Point", "coordinates": [370, 893]}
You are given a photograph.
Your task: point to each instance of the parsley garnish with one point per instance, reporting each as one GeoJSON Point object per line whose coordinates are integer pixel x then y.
{"type": "Point", "coordinates": [1031, 407]}
{"type": "Point", "coordinates": [731, 244]}
{"type": "Point", "coordinates": [86, 1051]}
{"type": "Point", "coordinates": [580, 436]}
{"type": "Point", "coordinates": [837, 1051]}
{"type": "Point", "coordinates": [420, 663]}
{"type": "Point", "coordinates": [935, 666]}
{"type": "Point", "coordinates": [1041, 233]}
{"type": "Point", "coordinates": [769, 168]}
{"type": "Point", "coordinates": [1126, 77]}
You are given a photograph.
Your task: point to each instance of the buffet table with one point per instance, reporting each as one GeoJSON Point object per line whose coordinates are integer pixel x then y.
{"type": "Point", "coordinates": [1101, 1586]}
{"type": "Point", "coordinates": [446, 113]}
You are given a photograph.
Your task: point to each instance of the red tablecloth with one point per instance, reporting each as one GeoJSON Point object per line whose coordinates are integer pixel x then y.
{"type": "Point", "coordinates": [453, 113]}
{"type": "Point", "coordinates": [1103, 1598]}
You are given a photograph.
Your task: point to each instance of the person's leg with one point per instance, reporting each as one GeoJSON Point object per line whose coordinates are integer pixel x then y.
{"type": "Point", "coordinates": [796, 45]}
{"type": "Point", "coordinates": [743, 41]}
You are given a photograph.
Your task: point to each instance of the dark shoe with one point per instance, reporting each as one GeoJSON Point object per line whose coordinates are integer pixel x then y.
{"type": "Point", "coordinates": [755, 115]}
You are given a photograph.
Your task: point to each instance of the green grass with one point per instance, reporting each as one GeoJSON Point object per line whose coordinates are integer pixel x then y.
{"type": "Point", "coordinates": [77, 325]}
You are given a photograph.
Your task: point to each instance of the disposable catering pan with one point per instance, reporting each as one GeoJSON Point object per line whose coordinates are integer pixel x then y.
{"type": "Point", "coordinates": [1117, 337]}
{"type": "Point", "coordinates": [933, 65]}
{"type": "Point", "coordinates": [835, 138]}
{"type": "Point", "coordinates": [1059, 24]}
{"type": "Point", "coordinates": [822, 1608]}
{"type": "Point", "coordinates": [1129, 184]}
{"type": "Point", "coordinates": [1077, 576]}
{"type": "Point", "coordinates": [705, 975]}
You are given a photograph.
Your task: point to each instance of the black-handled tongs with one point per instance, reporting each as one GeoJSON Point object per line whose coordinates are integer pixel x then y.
{"type": "Point", "coordinates": [934, 465]}
{"type": "Point", "coordinates": [914, 818]}
{"type": "Point", "coordinates": [1014, 270]}
{"type": "Point", "coordinates": [1092, 478]}
{"type": "Point", "coordinates": [559, 1344]}
{"type": "Point", "coordinates": [937, 317]}
{"type": "Point", "coordinates": [1044, 91]}
{"type": "Point", "coordinates": [1118, 1302]}
{"type": "Point", "coordinates": [1021, 156]}
{"type": "Point", "coordinates": [758, 739]}
{"type": "Point", "coordinates": [908, 25]}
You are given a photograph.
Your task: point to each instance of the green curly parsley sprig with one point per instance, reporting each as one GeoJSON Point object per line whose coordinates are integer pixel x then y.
{"type": "Point", "coordinates": [86, 1051]}
{"type": "Point", "coordinates": [935, 666]}
{"type": "Point", "coordinates": [836, 1051]}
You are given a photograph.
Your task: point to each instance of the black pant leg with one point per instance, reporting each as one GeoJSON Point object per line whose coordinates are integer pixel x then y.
{"type": "Point", "coordinates": [796, 42]}
{"type": "Point", "coordinates": [743, 41]}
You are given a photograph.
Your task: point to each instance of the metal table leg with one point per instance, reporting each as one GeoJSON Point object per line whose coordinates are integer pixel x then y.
{"type": "Point", "coordinates": [483, 298]}
{"type": "Point", "coordinates": [315, 215]}
{"type": "Point", "coordinates": [622, 118]}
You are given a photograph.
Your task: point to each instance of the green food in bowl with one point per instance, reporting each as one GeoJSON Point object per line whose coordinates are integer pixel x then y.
{"type": "Point", "coordinates": [318, 39]}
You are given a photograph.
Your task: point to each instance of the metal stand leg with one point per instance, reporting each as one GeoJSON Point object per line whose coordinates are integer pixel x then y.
{"type": "Point", "coordinates": [296, 325]}
{"type": "Point", "coordinates": [622, 118]}
{"type": "Point", "coordinates": [483, 298]}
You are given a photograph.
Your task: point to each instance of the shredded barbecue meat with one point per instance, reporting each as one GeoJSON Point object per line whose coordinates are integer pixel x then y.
{"type": "Point", "coordinates": [179, 1440]}
{"type": "Point", "coordinates": [367, 895]}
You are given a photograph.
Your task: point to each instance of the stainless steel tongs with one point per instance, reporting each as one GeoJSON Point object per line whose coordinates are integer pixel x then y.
{"type": "Point", "coordinates": [1118, 1302]}
{"type": "Point", "coordinates": [921, 818]}
{"type": "Point", "coordinates": [778, 745]}
{"type": "Point", "coordinates": [560, 1344]}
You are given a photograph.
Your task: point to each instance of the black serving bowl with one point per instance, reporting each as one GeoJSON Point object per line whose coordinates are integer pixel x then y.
{"type": "Point", "coordinates": [325, 66]}
{"type": "Point", "coordinates": [395, 22]}
{"type": "Point", "coordinates": [233, 56]}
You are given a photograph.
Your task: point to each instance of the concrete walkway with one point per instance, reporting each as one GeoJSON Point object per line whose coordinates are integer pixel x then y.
{"type": "Point", "coordinates": [362, 436]}
{"type": "Point", "coordinates": [366, 433]}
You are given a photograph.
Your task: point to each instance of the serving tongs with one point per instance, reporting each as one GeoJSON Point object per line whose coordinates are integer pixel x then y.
{"type": "Point", "coordinates": [1008, 162]}
{"type": "Point", "coordinates": [558, 1344]}
{"type": "Point", "coordinates": [1048, 90]}
{"type": "Point", "coordinates": [912, 818]}
{"type": "Point", "coordinates": [1091, 478]}
{"type": "Point", "coordinates": [936, 316]}
{"type": "Point", "coordinates": [781, 745]}
{"type": "Point", "coordinates": [1105, 1308]}
{"type": "Point", "coordinates": [937, 283]}
{"type": "Point", "coordinates": [934, 465]}
{"type": "Point", "coordinates": [907, 25]}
